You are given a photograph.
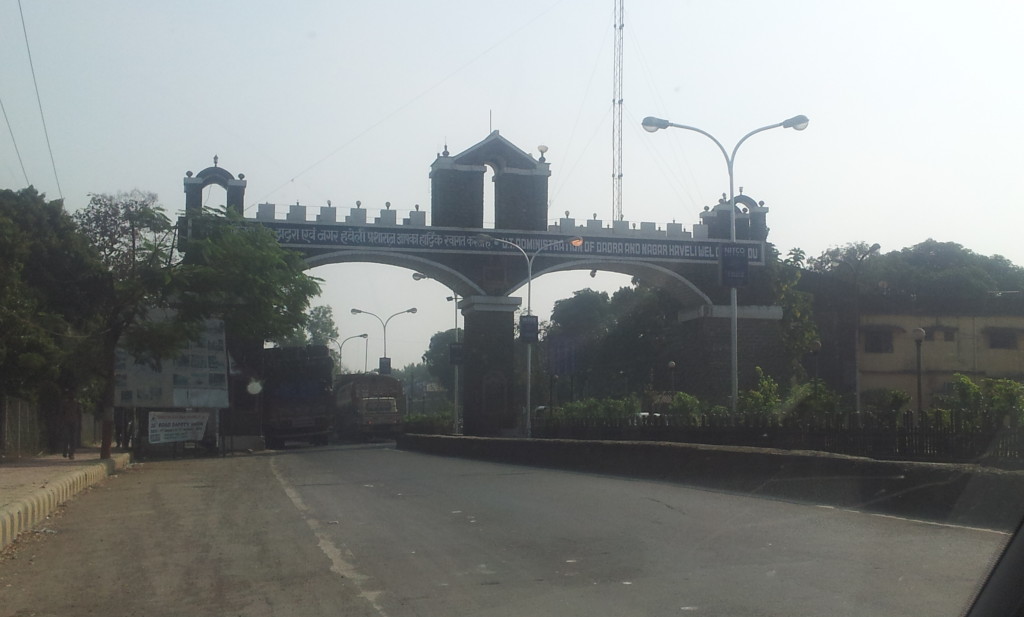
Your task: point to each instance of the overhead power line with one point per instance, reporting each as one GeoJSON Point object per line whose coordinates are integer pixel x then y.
{"type": "Point", "coordinates": [39, 101]}
{"type": "Point", "coordinates": [15, 142]}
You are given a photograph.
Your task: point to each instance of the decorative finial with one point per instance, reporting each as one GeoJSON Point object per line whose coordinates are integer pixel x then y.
{"type": "Point", "coordinates": [417, 206]}
{"type": "Point", "coordinates": [595, 216]}
{"type": "Point", "coordinates": [188, 174]}
{"type": "Point", "coordinates": [445, 151]}
{"type": "Point", "coordinates": [741, 190]}
{"type": "Point", "coordinates": [359, 204]}
{"type": "Point", "coordinates": [543, 150]}
{"type": "Point", "coordinates": [387, 205]}
{"type": "Point", "coordinates": [241, 176]}
{"type": "Point", "coordinates": [215, 159]}
{"type": "Point", "coordinates": [328, 203]}
{"type": "Point", "coordinates": [566, 214]}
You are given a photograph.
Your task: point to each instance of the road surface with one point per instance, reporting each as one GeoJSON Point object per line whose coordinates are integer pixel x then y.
{"type": "Point", "coordinates": [373, 531]}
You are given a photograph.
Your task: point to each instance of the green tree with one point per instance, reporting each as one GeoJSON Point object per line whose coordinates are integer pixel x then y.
{"type": "Point", "coordinates": [798, 328]}
{"type": "Point", "coordinates": [318, 329]}
{"type": "Point", "coordinates": [764, 400]}
{"type": "Point", "coordinates": [437, 359]}
{"type": "Point", "coordinates": [232, 270]}
{"type": "Point", "coordinates": [237, 271]}
{"type": "Point", "coordinates": [50, 281]}
{"type": "Point", "coordinates": [135, 242]}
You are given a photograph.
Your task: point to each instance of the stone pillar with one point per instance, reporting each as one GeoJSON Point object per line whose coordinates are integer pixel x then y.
{"type": "Point", "coordinates": [488, 393]}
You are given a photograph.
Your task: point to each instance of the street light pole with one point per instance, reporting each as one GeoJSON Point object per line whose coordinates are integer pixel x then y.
{"type": "Point", "coordinates": [574, 241]}
{"type": "Point", "coordinates": [919, 334]}
{"type": "Point", "coordinates": [799, 123]}
{"type": "Point", "coordinates": [454, 299]}
{"type": "Point", "coordinates": [384, 324]}
{"type": "Point", "coordinates": [419, 276]}
{"type": "Point", "coordinates": [341, 345]}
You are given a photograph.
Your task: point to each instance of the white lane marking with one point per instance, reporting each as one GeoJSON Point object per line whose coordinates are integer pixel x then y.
{"type": "Point", "coordinates": [339, 565]}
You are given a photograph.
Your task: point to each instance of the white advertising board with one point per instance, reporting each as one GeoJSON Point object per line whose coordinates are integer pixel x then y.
{"type": "Point", "coordinates": [172, 426]}
{"type": "Point", "coordinates": [196, 377]}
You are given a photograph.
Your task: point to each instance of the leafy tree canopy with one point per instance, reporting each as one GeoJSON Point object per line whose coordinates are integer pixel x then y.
{"type": "Point", "coordinates": [239, 271]}
{"type": "Point", "coordinates": [438, 358]}
{"type": "Point", "coordinates": [927, 277]}
{"type": "Point", "coordinates": [318, 329]}
{"type": "Point", "coordinates": [50, 280]}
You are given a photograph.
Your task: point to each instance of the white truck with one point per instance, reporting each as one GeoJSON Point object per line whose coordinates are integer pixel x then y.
{"type": "Point", "coordinates": [368, 406]}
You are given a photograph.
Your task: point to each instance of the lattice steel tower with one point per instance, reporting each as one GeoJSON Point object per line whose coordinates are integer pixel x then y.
{"type": "Point", "coordinates": [617, 114]}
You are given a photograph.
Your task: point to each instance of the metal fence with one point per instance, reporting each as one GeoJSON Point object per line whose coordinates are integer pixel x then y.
{"type": "Point", "coordinates": [934, 443]}
{"type": "Point", "coordinates": [22, 431]}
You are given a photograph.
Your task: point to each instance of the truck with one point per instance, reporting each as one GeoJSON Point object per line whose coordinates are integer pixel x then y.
{"type": "Point", "coordinates": [297, 402]}
{"type": "Point", "coordinates": [368, 406]}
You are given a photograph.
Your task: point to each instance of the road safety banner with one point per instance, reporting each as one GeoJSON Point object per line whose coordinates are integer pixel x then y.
{"type": "Point", "coordinates": [172, 426]}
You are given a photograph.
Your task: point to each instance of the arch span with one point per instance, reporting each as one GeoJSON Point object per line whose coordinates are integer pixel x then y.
{"type": "Point", "coordinates": [677, 285]}
{"type": "Point", "coordinates": [444, 274]}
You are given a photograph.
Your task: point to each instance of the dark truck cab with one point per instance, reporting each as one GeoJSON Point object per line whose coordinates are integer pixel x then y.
{"type": "Point", "coordinates": [297, 397]}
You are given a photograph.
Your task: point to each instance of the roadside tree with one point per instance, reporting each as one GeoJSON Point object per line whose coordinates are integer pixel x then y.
{"type": "Point", "coordinates": [230, 270]}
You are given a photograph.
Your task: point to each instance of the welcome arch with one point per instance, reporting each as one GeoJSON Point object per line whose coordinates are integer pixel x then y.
{"type": "Point", "coordinates": [484, 273]}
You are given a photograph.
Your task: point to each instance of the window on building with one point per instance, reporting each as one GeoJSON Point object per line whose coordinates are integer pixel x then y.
{"type": "Point", "coordinates": [1002, 339]}
{"type": "Point", "coordinates": [878, 341]}
{"type": "Point", "coordinates": [940, 333]}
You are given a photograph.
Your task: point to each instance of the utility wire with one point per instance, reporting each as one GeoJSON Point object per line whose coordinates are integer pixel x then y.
{"type": "Point", "coordinates": [415, 98]}
{"type": "Point", "coordinates": [15, 142]}
{"type": "Point", "coordinates": [39, 101]}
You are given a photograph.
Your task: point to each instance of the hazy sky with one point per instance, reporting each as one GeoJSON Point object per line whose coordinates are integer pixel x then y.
{"type": "Point", "coordinates": [915, 107]}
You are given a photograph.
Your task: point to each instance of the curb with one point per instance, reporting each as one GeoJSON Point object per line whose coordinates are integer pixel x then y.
{"type": "Point", "coordinates": [22, 515]}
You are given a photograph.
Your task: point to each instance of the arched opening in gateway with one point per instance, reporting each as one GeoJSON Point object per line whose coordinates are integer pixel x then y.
{"type": "Point", "coordinates": [489, 213]}
{"type": "Point", "coordinates": [215, 196]}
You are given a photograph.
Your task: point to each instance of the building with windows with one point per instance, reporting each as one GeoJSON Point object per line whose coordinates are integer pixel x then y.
{"type": "Point", "coordinates": [988, 346]}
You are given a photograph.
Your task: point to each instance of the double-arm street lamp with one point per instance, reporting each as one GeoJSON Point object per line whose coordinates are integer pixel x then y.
{"type": "Point", "coordinates": [799, 123]}
{"type": "Point", "coordinates": [573, 241]}
{"type": "Point", "coordinates": [385, 361]}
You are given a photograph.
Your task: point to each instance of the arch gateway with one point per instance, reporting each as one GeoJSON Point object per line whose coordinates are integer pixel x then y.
{"type": "Point", "coordinates": [484, 271]}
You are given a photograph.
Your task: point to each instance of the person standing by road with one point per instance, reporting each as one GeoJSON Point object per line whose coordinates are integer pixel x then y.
{"type": "Point", "coordinates": [70, 417]}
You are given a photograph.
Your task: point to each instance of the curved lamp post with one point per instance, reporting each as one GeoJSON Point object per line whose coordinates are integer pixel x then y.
{"type": "Point", "coordinates": [341, 346]}
{"type": "Point", "coordinates": [574, 241]}
{"type": "Point", "coordinates": [798, 123]}
{"type": "Point", "coordinates": [419, 276]}
{"type": "Point", "coordinates": [384, 326]}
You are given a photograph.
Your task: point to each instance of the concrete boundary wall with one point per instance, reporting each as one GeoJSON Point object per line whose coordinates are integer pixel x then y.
{"type": "Point", "coordinates": [24, 514]}
{"type": "Point", "coordinates": [957, 494]}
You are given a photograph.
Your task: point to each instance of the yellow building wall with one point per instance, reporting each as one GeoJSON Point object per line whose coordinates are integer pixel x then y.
{"type": "Point", "coordinates": [969, 352]}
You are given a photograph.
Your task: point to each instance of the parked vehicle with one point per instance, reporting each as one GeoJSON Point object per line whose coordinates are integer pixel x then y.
{"type": "Point", "coordinates": [368, 406]}
{"type": "Point", "coordinates": [297, 400]}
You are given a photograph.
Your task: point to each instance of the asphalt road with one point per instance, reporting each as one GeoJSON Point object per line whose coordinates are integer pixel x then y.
{"type": "Point", "coordinates": [378, 532]}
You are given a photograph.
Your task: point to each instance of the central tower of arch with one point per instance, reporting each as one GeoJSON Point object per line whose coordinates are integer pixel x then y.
{"type": "Point", "coordinates": [520, 187]}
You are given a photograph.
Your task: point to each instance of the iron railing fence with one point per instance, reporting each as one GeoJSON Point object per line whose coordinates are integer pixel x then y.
{"type": "Point", "coordinates": [22, 430]}
{"type": "Point", "coordinates": [933, 442]}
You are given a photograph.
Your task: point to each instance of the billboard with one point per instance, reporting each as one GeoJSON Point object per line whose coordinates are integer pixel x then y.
{"type": "Point", "coordinates": [197, 376]}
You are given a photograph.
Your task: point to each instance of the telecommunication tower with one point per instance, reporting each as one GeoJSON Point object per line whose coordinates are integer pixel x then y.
{"type": "Point", "coordinates": [617, 114]}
